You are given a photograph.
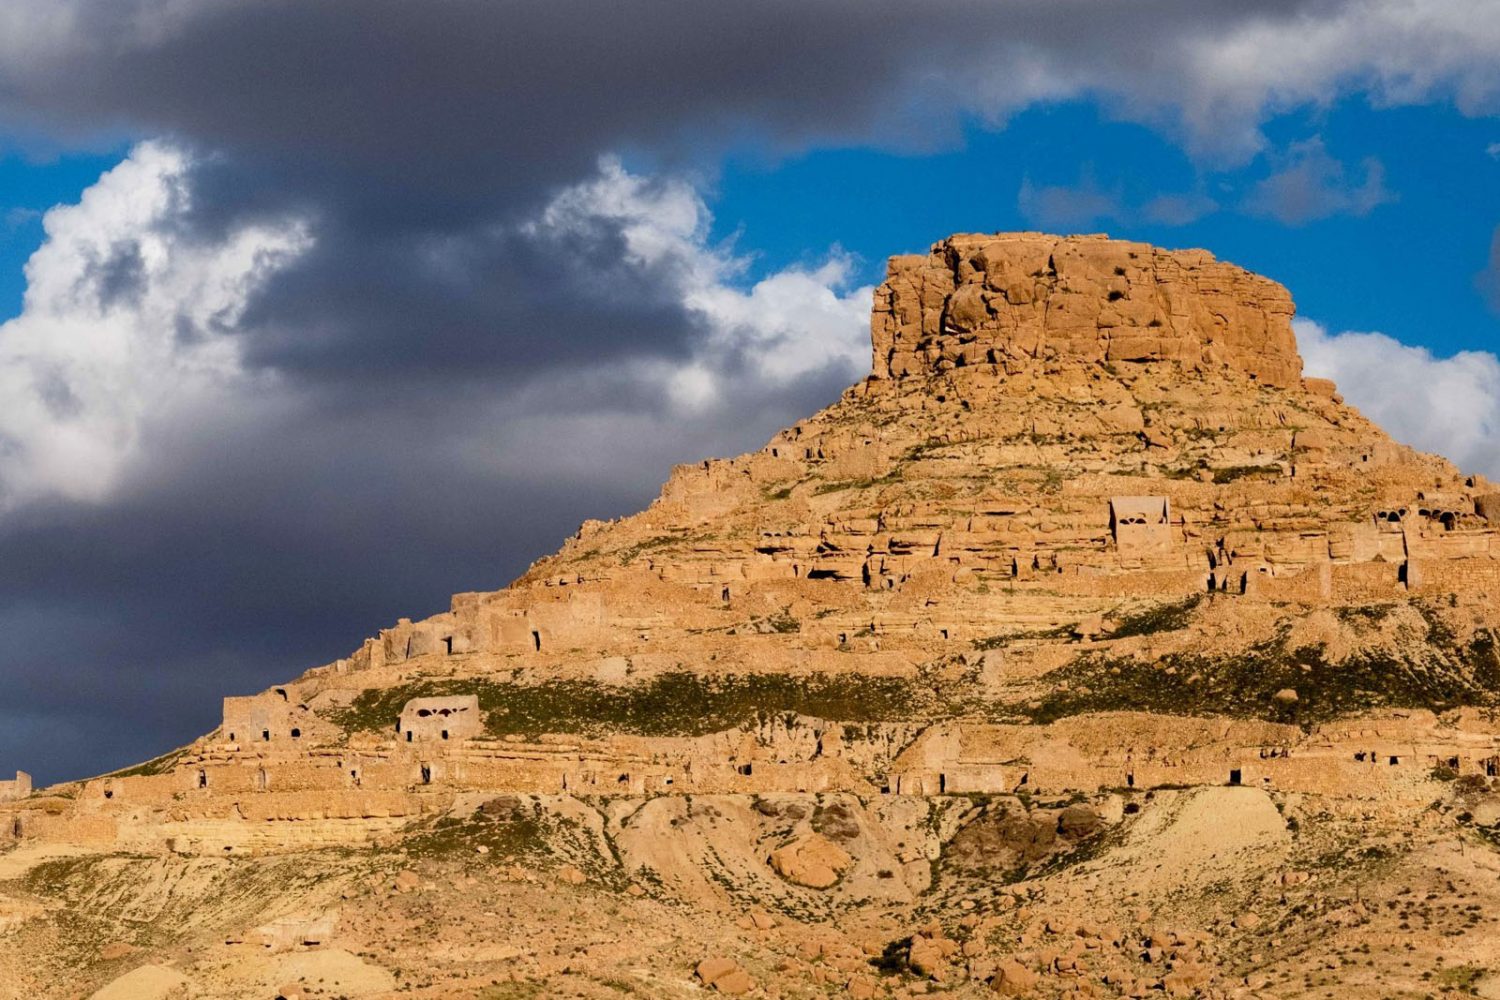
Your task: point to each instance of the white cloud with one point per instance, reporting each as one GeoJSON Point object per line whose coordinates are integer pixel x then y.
{"type": "Point", "coordinates": [128, 344]}
{"type": "Point", "coordinates": [1397, 51]}
{"type": "Point", "coordinates": [1493, 149]}
{"type": "Point", "coordinates": [1450, 406]}
{"type": "Point", "coordinates": [126, 322]}
{"type": "Point", "coordinates": [793, 323]}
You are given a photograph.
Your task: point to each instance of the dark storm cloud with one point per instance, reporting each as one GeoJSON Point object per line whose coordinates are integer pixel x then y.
{"type": "Point", "coordinates": [406, 128]}
{"type": "Point", "coordinates": [281, 545]}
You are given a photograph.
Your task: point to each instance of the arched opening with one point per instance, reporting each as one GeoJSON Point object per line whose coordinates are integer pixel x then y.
{"type": "Point", "coordinates": [536, 640]}
{"type": "Point", "coordinates": [426, 774]}
{"type": "Point", "coordinates": [202, 778]}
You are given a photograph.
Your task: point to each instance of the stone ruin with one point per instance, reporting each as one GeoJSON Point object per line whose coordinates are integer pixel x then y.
{"type": "Point", "coordinates": [444, 718]}
{"type": "Point", "coordinates": [1056, 431]}
{"type": "Point", "coordinates": [20, 788]}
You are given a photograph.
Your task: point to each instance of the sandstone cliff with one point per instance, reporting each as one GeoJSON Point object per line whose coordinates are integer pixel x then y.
{"type": "Point", "coordinates": [977, 299]}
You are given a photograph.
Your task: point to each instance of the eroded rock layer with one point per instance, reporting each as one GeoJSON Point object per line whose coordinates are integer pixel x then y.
{"type": "Point", "coordinates": [978, 299]}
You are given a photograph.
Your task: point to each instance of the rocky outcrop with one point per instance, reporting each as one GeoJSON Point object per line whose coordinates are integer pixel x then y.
{"type": "Point", "coordinates": [813, 861]}
{"type": "Point", "coordinates": [978, 299]}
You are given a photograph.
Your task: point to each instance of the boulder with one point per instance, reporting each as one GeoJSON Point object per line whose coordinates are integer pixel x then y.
{"type": "Point", "coordinates": [929, 957]}
{"type": "Point", "coordinates": [724, 975]}
{"type": "Point", "coordinates": [1012, 979]}
{"type": "Point", "coordinates": [812, 860]}
{"type": "Point", "coordinates": [1078, 821]}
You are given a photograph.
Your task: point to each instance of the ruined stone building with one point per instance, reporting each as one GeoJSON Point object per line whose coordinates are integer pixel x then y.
{"type": "Point", "coordinates": [1082, 472]}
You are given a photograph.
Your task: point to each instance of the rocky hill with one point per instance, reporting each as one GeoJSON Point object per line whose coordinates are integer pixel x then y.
{"type": "Point", "coordinates": [1085, 648]}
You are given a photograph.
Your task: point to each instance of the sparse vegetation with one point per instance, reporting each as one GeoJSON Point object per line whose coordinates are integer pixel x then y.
{"type": "Point", "coordinates": [509, 828]}
{"type": "Point", "coordinates": [1235, 473]}
{"type": "Point", "coordinates": [676, 704]}
{"type": "Point", "coordinates": [838, 486]}
{"type": "Point", "coordinates": [1168, 617]}
{"type": "Point", "coordinates": [1438, 675]}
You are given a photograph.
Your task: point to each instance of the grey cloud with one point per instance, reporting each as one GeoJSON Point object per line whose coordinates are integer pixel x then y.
{"type": "Point", "coordinates": [1178, 209]}
{"type": "Point", "coordinates": [118, 278]}
{"type": "Point", "coordinates": [1073, 208]}
{"type": "Point", "coordinates": [261, 551]}
{"type": "Point", "coordinates": [1488, 279]}
{"type": "Point", "coordinates": [1068, 209]}
{"type": "Point", "coordinates": [1312, 185]}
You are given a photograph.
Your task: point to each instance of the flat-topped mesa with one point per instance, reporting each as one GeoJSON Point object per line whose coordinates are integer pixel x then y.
{"type": "Point", "coordinates": [980, 299]}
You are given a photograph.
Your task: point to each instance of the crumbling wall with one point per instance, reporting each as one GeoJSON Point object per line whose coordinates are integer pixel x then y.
{"type": "Point", "coordinates": [275, 716]}
{"type": "Point", "coordinates": [451, 717]}
{"type": "Point", "coordinates": [19, 788]}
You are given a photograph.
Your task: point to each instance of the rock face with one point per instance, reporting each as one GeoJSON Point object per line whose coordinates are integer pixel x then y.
{"type": "Point", "coordinates": [978, 299]}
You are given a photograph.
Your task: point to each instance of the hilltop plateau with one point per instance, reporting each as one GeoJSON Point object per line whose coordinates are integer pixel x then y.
{"type": "Point", "coordinates": [1086, 648]}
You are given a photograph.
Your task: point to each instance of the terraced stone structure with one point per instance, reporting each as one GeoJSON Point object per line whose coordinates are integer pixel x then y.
{"type": "Point", "coordinates": [1086, 532]}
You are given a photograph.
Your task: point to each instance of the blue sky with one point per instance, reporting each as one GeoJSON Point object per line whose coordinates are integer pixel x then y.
{"type": "Point", "coordinates": [349, 305]}
{"type": "Point", "coordinates": [28, 187]}
{"type": "Point", "coordinates": [1406, 266]}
